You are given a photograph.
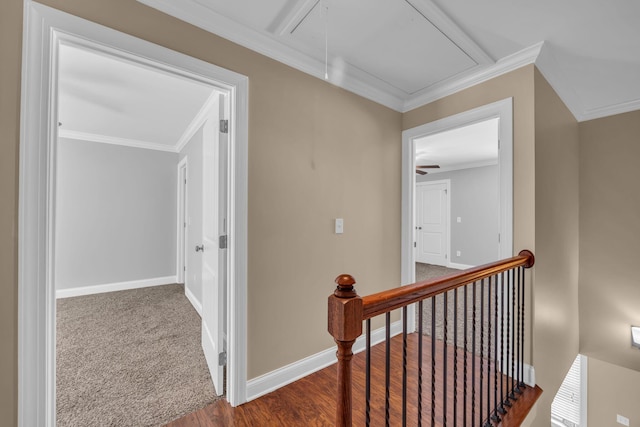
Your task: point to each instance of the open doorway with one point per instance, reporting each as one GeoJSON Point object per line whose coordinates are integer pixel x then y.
{"type": "Point", "coordinates": [125, 333]}
{"type": "Point", "coordinates": [47, 31]}
{"type": "Point", "coordinates": [445, 150]}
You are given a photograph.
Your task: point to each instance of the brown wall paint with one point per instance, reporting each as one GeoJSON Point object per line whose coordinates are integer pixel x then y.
{"type": "Point", "coordinates": [317, 152]}
{"type": "Point", "coordinates": [519, 85]}
{"type": "Point", "coordinates": [612, 390]}
{"type": "Point", "coordinates": [555, 324]}
{"type": "Point", "coordinates": [545, 167]}
{"type": "Point", "coordinates": [610, 238]}
{"type": "Point", "coordinates": [10, 69]}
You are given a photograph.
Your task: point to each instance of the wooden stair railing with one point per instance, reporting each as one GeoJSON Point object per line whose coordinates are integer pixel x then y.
{"type": "Point", "coordinates": [477, 400]}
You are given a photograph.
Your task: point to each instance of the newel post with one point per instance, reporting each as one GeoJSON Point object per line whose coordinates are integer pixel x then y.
{"type": "Point", "coordinates": [345, 325]}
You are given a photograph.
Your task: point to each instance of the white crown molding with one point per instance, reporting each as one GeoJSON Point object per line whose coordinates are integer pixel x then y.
{"type": "Point", "coordinates": [295, 16]}
{"type": "Point", "coordinates": [361, 83]}
{"type": "Point", "coordinates": [475, 76]}
{"type": "Point", "coordinates": [197, 121]}
{"type": "Point", "coordinates": [463, 166]}
{"type": "Point", "coordinates": [105, 139]}
{"type": "Point", "coordinates": [442, 22]}
{"type": "Point", "coordinates": [610, 110]}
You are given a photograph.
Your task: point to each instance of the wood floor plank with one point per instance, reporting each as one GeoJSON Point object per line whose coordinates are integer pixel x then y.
{"type": "Point", "coordinates": [310, 401]}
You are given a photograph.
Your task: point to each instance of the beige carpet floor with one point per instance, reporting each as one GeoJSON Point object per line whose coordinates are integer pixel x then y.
{"type": "Point", "coordinates": [129, 358]}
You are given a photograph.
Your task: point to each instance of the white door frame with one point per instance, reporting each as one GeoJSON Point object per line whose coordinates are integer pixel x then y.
{"type": "Point", "coordinates": [44, 29]}
{"type": "Point", "coordinates": [447, 183]}
{"type": "Point", "coordinates": [181, 226]}
{"type": "Point", "coordinates": [500, 109]}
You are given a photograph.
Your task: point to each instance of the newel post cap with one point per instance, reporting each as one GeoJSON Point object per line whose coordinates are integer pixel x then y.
{"type": "Point", "coordinates": [345, 287]}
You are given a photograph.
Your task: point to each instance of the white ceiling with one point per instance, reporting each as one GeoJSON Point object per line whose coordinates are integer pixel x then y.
{"type": "Point", "coordinates": [465, 147]}
{"type": "Point", "coordinates": [103, 98]}
{"type": "Point", "coordinates": [406, 53]}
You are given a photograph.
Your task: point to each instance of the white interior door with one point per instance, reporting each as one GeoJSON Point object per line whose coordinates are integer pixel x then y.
{"type": "Point", "coordinates": [432, 218]}
{"type": "Point", "coordinates": [213, 257]}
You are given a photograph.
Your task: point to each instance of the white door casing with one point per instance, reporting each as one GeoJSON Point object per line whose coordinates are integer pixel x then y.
{"type": "Point", "coordinates": [45, 29]}
{"type": "Point", "coordinates": [502, 109]}
{"type": "Point", "coordinates": [432, 222]}
{"type": "Point", "coordinates": [181, 256]}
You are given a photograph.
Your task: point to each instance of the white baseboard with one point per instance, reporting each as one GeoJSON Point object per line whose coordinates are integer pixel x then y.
{"type": "Point", "coordinates": [193, 300]}
{"type": "Point", "coordinates": [460, 266]}
{"type": "Point", "coordinates": [112, 287]}
{"type": "Point", "coordinates": [280, 377]}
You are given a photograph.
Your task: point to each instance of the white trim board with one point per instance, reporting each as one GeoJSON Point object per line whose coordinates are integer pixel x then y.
{"type": "Point", "coordinates": [355, 80]}
{"type": "Point", "coordinates": [193, 300]}
{"type": "Point", "coordinates": [460, 266]}
{"type": "Point", "coordinates": [280, 377]}
{"type": "Point", "coordinates": [502, 109]}
{"type": "Point", "coordinates": [106, 139]}
{"type": "Point", "coordinates": [116, 286]}
{"type": "Point", "coordinates": [44, 29]}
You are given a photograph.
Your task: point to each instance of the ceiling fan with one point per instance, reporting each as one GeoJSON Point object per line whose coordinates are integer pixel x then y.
{"type": "Point", "coordinates": [419, 172]}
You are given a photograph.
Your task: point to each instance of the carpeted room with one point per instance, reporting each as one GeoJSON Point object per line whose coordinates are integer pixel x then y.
{"type": "Point", "coordinates": [128, 326]}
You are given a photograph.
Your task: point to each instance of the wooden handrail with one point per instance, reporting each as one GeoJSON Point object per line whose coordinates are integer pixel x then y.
{"type": "Point", "coordinates": [347, 311]}
{"type": "Point", "coordinates": [392, 299]}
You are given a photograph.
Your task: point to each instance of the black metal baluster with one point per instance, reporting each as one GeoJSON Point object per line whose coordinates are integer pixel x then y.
{"type": "Point", "coordinates": [517, 335]}
{"type": "Point", "coordinates": [473, 357]}
{"type": "Point", "coordinates": [509, 372]}
{"type": "Point", "coordinates": [445, 315]}
{"type": "Point", "coordinates": [501, 408]}
{"type": "Point", "coordinates": [404, 366]}
{"type": "Point", "coordinates": [420, 332]}
{"type": "Point", "coordinates": [387, 374]}
{"type": "Point", "coordinates": [488, 417]}
{"type": "Point", "coordinates": [512, 393]}
{"type": "Point", "coordinates": [368, 373]}
{"type": "Point", "coordinates": [455, 357]}
{"type": "Point", "coordinates": [496, 404]}
{"type": "Point", "coordinates": [466, 331]}
{"type": "Point", "coordinates": [481, 347]}
{"type": "Point", "coordinates": [522, 383]}
{"type": "Point", "coordinates": [433, 361]}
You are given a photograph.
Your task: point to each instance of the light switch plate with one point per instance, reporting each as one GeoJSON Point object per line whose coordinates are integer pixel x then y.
{"type": "Point", "coordinates": [339, 225]}
{"type": "Point", "coordinates": [622, 420]}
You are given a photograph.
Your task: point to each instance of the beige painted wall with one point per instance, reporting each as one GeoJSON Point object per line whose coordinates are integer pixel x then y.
{"type": "Point", "coordinates": [316, 152]}
{"type": "Point", "coordinates": [10, 47]}
{"type": "Point", "coordinates": [519, 85]}
{"type": "Point", "coordinates": [610, 238]}
{"type": "Point", "coordinates": [613, 390]}
{"type": "Point", "coordinates": [555, 324]}
{"type": "Point", "coordinates": [545, 219]}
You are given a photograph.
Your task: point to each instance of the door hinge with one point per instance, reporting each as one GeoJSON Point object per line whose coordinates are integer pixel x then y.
{"type": "Point", "coordinates": [222, 242]}
{"type": "Point", "coordinates": [222, 358]}
{"type": "Point", "coordinates": [414, 244]}
{"type": "Point", "coordinates": [224, 126]}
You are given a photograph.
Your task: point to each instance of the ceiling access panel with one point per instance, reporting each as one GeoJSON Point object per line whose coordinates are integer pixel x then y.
{"type": "Point", "coordinates": [392, 40]}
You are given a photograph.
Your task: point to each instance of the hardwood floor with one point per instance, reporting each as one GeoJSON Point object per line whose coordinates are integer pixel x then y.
{"type": "Point", "coordinates": [310, 401]}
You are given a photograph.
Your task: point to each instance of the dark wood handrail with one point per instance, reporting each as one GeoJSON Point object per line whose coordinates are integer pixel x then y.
{"type": "Point", "coordinates": [347, 311]}
{"type": "Point", "coordinates": [385, 301]}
